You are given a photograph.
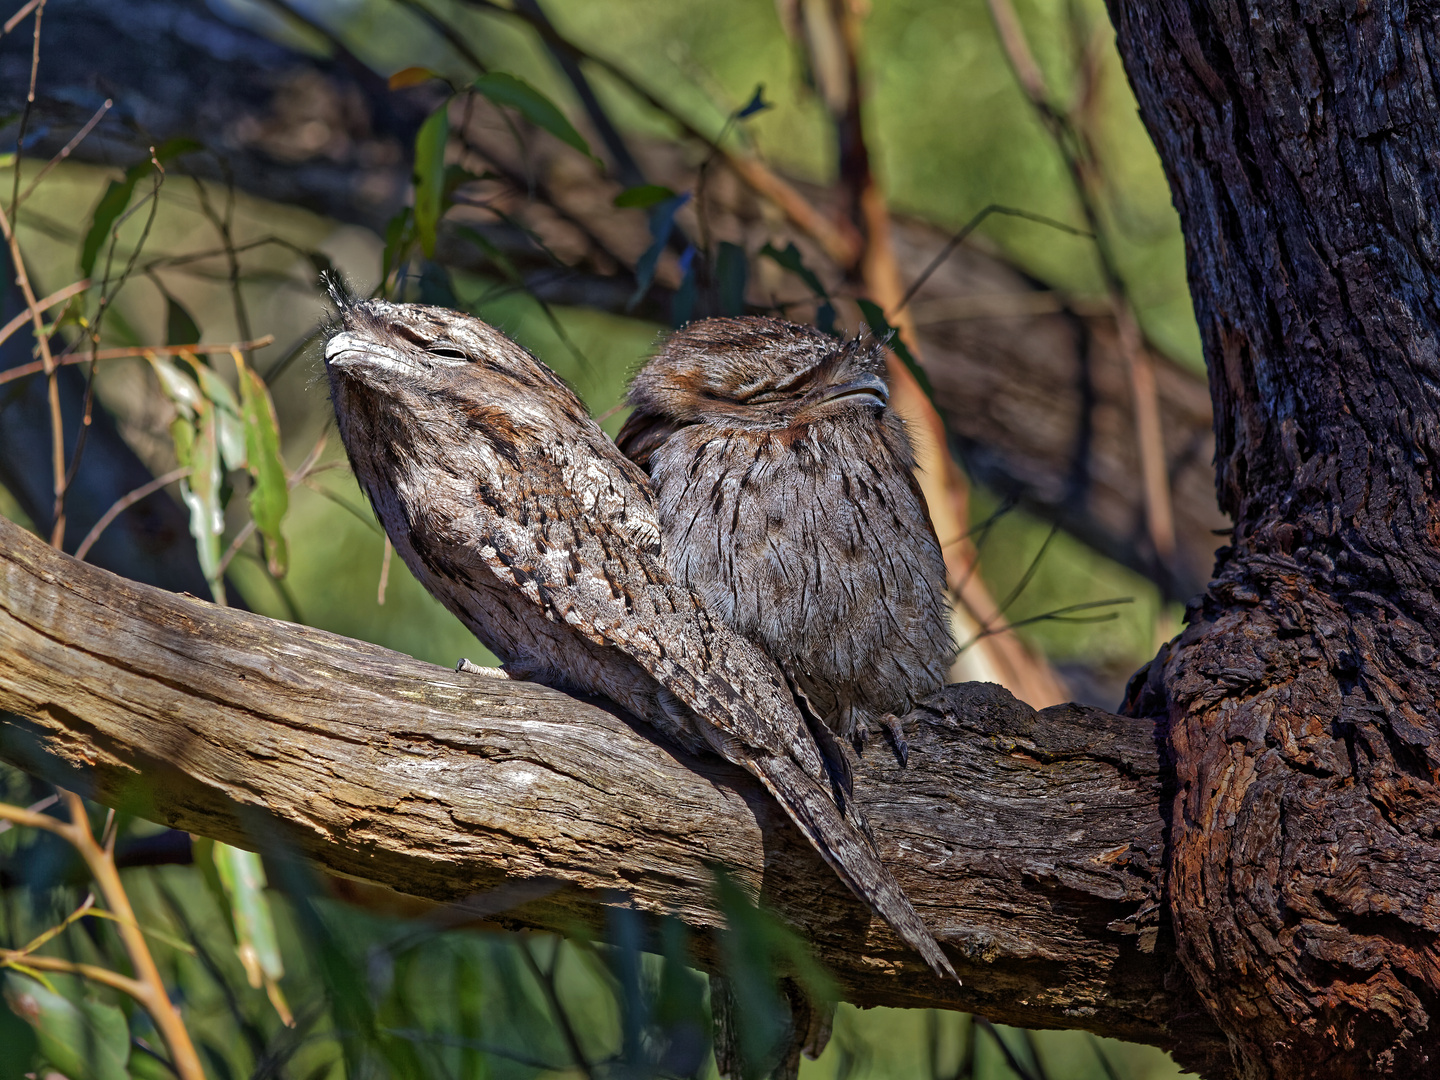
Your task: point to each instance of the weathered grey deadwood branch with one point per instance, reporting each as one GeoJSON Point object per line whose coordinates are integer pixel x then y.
{"type": "Point", "coordinates": [1040, 833]}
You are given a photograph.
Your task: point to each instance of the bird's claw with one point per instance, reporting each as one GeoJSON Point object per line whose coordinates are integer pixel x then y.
{"type": "Point", "coordinates": [895, 736]}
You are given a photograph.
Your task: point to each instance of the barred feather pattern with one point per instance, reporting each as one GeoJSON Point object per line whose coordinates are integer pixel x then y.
{"type": "Point", "coordinates": [514, 509]}
{"type": "Point", "coordinates": [786, 492]}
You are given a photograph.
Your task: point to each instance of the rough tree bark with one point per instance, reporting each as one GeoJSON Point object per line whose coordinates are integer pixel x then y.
{"type": "Point", "coordinates": [1301, 141]}
{"type": "Point", "coordinates": [1032, 842]}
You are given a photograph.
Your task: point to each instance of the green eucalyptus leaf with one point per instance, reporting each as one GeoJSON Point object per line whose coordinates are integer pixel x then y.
{"type": "Point", "coordinates": [242, 876]}
{"type": "Point", "coordinates": [430, 176]}
{"type": "Point", "coordinates": [228, 425]}
{"type": "Point", "coordinates": [201, 493]}
{"type": "Point", "coordinates": [182, 433]}
{"type": "Point", "coordinates": [399, 232]}
{"type": "Point", "coordinates": [270, 490]}
{"type": "Point", "coordinates": [505, 89]}
{"type": "Point", "coordinates": [180, 325]}
{"type": "Point", "coordinates": [179, 387]}
{"type": "Point", "coordinates": [643, 196]}
{"type": "Point", "coordinates": [890, 336]}
{"type": "Point", "coordinates": [117, 198]}
{"type": "Point", "coordinates": [494, 254]}
{"type": "Point", "coordinates": [81, 1038]}
{"type": "Point", "coordinates": [111, 205]}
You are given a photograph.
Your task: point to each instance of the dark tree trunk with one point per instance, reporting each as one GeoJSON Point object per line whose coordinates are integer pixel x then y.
{"type": "Point", "coordinates": [1301, 145]}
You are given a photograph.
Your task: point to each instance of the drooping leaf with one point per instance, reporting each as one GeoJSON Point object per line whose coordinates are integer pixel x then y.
{"type": "Point", "coordinates": [269, 490]}
{"type": "Point", "coordinates": [201, 493]}
{"type": "Point", "coordinates": [81, 1038]}
{"type": "Point", "coordinates": [754, 946]}
{"type": "Point", "coordinates": [117, 197]}
{"type": "Point", "coordinates": [229, 428]}
{"type": "Point", "coordinates": [398, 236]}
{"type": "Point", "coordinates": [180, 326]}
{"type": "Point", "coordinates": [643, 196]}
{"type": "Point", "coordinates": [881, 328]}
{"type": "Point", "coordinates": [242, 876]}
{"type": "Point", "coordinates": [430, 143]}
{"type": "Point", "coordinates": [792, 260]}
{"type": "Point", "coordinates": [731, 271]}
{"type": "Point", "coordinates": [178, 386]}
{"type": "Point", "coordinates": [111, 205]}
{"type": "Point", "coordinates": [182, 433]}
{"type": "Point", "coordinates": [756, 104]}
{"type": "Point", "coordinates": [411, 76]}
{"type": "Point", "coordinates": [662, 224]}
{"type": "Point", "coordinates": [18, 1039]}
{"type": "Point", "coordinates": [499, 258]}
{"type": "Point", "coordinates": [682, 305]}
{"type": "Point", "coordinates": [505, 89]}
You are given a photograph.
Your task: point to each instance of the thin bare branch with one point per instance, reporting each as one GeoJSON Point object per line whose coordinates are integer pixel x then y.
{"type": "Point", "coordinates": [47, 365]}
{"type": "Point", "coordinates": [151, 987]}
{"type": "Point", "coordinates": [25, 370]}
{"type": "Point", "coordinates": [50, 301]}
{"type": "Point", "coordinates": [65, 151]}
{"type": "Point", "coordinates": [124, 503]}
{"type": "Point", "coordinates": [19, 16]}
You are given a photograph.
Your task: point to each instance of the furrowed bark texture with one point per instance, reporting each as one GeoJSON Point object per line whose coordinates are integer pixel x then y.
{"type": "Point", "coordinates": [1301, 144]}
{"type": "Point", "coordinates": [1032, 842]}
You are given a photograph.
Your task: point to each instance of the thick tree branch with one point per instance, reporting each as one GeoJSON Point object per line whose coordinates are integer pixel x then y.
{"type": "Point", "coordinates": [1033, 842]}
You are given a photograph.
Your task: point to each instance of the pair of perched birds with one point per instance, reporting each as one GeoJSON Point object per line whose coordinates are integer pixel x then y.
{"type": "Point", "coordinates": [773, 585]}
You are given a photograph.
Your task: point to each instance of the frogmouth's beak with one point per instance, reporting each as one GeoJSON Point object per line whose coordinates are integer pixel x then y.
{"type": "Point", "coordinates": [350, 351]}
{"type": "Point", "coordinates": [870, 389]}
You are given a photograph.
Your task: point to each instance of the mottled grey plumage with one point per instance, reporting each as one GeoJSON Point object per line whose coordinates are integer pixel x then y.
{"type": "Point", "coordinates": [515, 510]}
{"type": "Point", "coordinates": [787, 496]}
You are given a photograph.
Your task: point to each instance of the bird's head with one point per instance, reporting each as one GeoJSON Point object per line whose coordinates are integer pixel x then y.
{"type": "Point", "coordinates": [759, 373]}
{"type": "Point", "coordinates": [412, 369]}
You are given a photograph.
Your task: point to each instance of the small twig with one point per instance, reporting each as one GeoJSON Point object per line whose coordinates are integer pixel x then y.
{"type": "Point", "coordinates": [9, 329]}
{"type": "Point", "coordinates": [448, 32]}
{"type": "Point", "coordinates": [66, 150]}
{"type": "Point", "coordinates": [104, 976]}
{"type": "Point", "coordinates": [248, 530]}
{"type": "Point", "coordinates": [56, 930]}
{"type": "Point", "coordinates": [1010, 1058]}
{"type": "Point", "coordinates": [124, 503]}
{"type": "Point", "coordinates": [47, 365]}
{"type": "Point", "coordinates": [33, 808]}
{"type": "Point", "coordinates": [546, 979]}
{"type": "Point", "coordinates": [232, 255]}
{"type": "Point", "coordinates": [19, 17]}
{"type": "Point", "coordinates": [969, 227]}
{"type": "Point", "coordinates": [147, 988]}
{"type": "Point", "coordinates": [29, 104]}
{"type": "Point", "coordinates": [384, 571]}
{"type": "Point", "coordinates": [24, 370]}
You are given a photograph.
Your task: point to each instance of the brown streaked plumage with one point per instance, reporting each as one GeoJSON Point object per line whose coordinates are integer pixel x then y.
{"type": "Point", "coordinates": [515, 510]}
{"type": "Point", "coordinates": [786, 491]}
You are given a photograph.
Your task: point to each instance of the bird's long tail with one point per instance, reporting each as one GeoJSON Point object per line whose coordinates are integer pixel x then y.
{"type": "Point", "coordinates": [849, 854]}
